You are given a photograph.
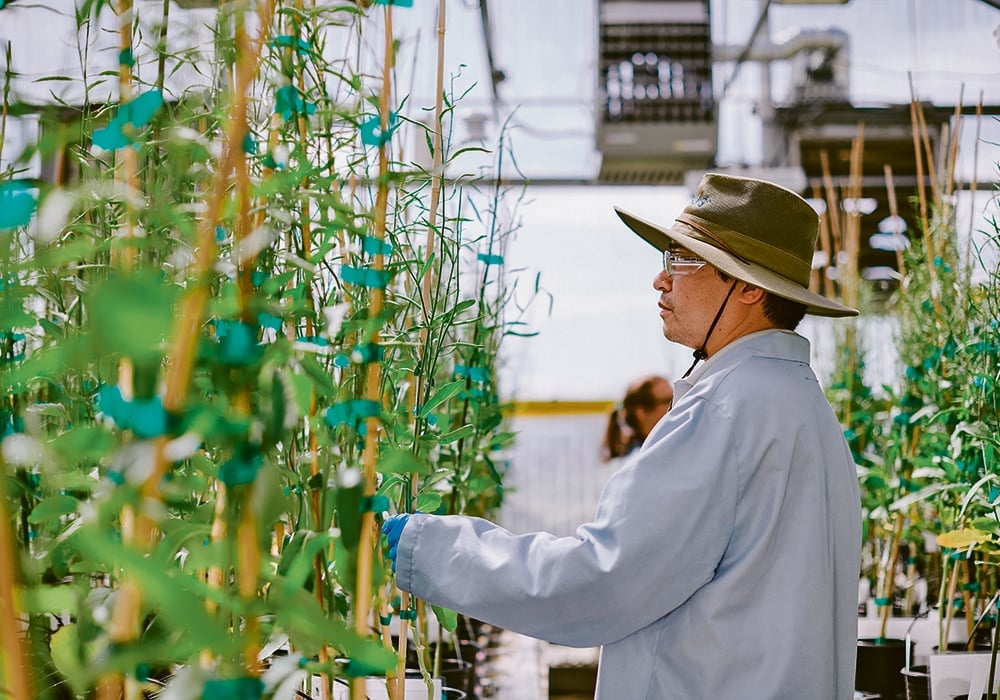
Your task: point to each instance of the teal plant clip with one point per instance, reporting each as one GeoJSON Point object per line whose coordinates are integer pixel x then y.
{"type": "Point", "coordinates": [249, 145]}
{"type": "Point", "coordinates": [375, 246]}
{"type": "Point", "coordinates": [374, 504]}
{"type": "Point", "coordinates": [241, 469]}
{"type": "Point", "coordinates": [364, 276]}
{"type": "Point", "coordinates": [145, 417]}
{"type": "Point", "coordinates": [287, 41]}
{"type": "Point", "coordinates": [237, 343]}
{"type": "Point", "coordinates": [476, 374]}
{"type": "Point", "coordinates": [371, 130]}
{"type": "Point", "coordinates": [410, 614]}
{"type": "Point", "coordinates": [126, 58]}
{"type": "Point", "coordinates": [361, 354]}
{"type": "Point", "coordinates": [17, 203]}
{"type": "Point", "coordinates": [352, 412]}
{"type": "Point", "coordinates": [266, 320]}
{"type": "Point", "coordinates": [490, 259]}
{"type": "Point", "coordinates": [289, 102]}
{"type": "Point", "coordinates": [134, 114]}
{"type": "Point", "coordinates": [386, 620]}
{"type": "Point", "coordinates": [233, 689]}
{"type": "Point", "coordinates": [396, 3]}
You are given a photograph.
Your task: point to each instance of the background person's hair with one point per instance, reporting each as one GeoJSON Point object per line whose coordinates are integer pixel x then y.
{"type": "Point", "coordinates": [624, 432]}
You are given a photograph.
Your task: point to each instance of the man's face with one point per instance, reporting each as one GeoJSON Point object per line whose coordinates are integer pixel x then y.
{"type": "Point", "coordinates": [689, 300]}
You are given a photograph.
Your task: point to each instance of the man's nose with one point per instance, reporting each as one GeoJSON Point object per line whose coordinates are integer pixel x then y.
{"type": "Point", "coordinates": [662, 281]}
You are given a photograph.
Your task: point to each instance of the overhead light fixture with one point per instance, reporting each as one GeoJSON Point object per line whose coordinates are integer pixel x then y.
{"type": "Point", "coordinates": [859, 205]}
{"type": "Point", "coordinates": [892, 224]}
{"type": "Point", "coordinates": [888, 241]}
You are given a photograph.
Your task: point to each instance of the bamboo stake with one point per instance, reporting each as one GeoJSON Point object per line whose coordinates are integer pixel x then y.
{"type": "Point", "coordinates": [972, 187]}
{"type": "Point", "coordinates": [831, 205]}
{"type": "Point", "coordinates": [373, 388]}
{"type": "Point", "coordinates": [956, 132]}
{"type": "Point", "coordinates": [125, 620]}
{"type": "Point", "coordinates": [15, 660]}
{"type": "Point", "coordinates": [918, 110]}
{"type": "Point", "coordinates": [186, 331]}
{"type": "Point", "coordinates": [890, 189]}
{"type": "Point", "coordinates": [888, 583]}
{"type": "Point", "coordinates": [429, 281]}
{"type": "Point", "coordinates": [924, 225]}
{"type": "Point", "coordinates": [824, 237]}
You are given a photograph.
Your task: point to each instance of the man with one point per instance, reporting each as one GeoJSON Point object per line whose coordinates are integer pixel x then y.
{"type": "Point", "coordinates": [723, 558]}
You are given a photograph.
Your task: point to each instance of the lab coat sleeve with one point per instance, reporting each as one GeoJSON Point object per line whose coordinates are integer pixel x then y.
{"type": "Point", "coordinates": [661, 527]}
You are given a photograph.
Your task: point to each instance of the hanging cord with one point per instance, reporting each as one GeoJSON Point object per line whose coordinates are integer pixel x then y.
{"type": "Point", "coordinates": [700, 353]}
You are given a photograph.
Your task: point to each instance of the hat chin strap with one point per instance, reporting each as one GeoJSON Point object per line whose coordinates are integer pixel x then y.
{"type": "Point", "coordinates": [700, 353]}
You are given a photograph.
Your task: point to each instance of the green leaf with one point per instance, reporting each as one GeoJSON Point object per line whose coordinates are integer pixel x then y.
{"type": "Point", "coordinates": [429, 501]}
{"type": "Point", "coordinates": [52, 508]}
{"type": "Point", "coordinates": [66, 656]}
{"type": "Point", "coordinates": [442, 394]}
{"type": "Point", "coordinates": [456, 435]}
{"type": "Point", "coordinates": [447, 618]}
{"type": "Point", "coordinates": [133, 315]}
{"type": "Point", "coordinates": [49, 599]}
{"type": "Point", "coordinates": [396, 461]}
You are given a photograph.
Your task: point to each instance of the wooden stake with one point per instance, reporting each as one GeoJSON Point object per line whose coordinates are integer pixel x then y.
{"type": "Point", "coordinates": [373, 386]}
{"type": "Point", "coordinates": [894, 212]}
{"type": "Point", "coordinates": [16, 673]}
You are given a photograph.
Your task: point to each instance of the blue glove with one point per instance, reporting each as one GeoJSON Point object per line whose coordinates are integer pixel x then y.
{"type": "Point", "coordinates": [392, 529]}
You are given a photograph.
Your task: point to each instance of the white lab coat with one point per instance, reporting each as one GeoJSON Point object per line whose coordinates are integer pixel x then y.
{"type": "Point", "coordinates": [723, 558]}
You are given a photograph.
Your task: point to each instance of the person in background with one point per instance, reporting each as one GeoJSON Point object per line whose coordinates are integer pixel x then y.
{"type": "Point", "coordinates": [723, 559]}
{"type": "Point", "coordinates": [646, 401]}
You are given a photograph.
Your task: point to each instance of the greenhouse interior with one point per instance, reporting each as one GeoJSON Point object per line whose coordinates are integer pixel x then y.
{"type": "Point", "coordinates": [464, 349]}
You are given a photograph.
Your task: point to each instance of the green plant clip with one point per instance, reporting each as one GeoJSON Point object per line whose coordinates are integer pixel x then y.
{"type": "Point", "coordinates": [374, 504]}
{"type": "Point", "coordinates": [17, 204]}
{"type": "Point", "coordinates": [288, 102]}
{"type": "Point", "coordinates": [375, 246]}
{"type": "Point", "coordinates": [365, 277]}
{"type": "Point", "coordinates": [490, 259]}
{"type": "Point", "coordinates": [233, 689]}
{"type": "Point", "coordinates": [410, 614]}
{"type": "Point", "coordinates": [371, 130]}
{"type": "Point", "coordinates": [242, 467]}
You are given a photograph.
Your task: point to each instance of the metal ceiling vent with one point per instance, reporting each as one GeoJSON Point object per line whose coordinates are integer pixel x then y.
{"type": "Point", "coordinates": [656, 114]}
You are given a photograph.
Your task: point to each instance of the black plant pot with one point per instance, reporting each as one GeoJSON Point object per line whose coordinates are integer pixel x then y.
{"type": "Point", "coordinates": [918, 682]}
{"type": "Point", "coordinates": [878, 667]}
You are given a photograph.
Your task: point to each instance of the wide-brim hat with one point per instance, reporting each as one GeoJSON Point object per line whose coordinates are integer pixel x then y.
{"type": "Point", "coordinates": [753, 230]}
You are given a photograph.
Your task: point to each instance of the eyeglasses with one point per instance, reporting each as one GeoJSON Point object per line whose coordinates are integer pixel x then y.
{"type": "Point", "coordinates": [677, 265]}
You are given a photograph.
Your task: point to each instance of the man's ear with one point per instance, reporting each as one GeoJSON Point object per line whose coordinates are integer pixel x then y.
{"type": "Point", "coordinates": [749, 294]}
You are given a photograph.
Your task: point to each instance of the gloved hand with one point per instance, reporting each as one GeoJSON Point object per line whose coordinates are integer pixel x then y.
{"type": "Point", "coordinates": [392, 529]}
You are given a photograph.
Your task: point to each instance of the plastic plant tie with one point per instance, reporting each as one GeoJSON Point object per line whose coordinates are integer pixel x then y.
{"type": "Point", "coordinates": [17, 203]}
{"type": "Point", "coordinates": [386, 620]}
{"type": "Point", "coordinates": [233, 689]}
{"type": "Point", "coordinates": [490, 259]}
{"type": "Point", "coordinates": [364, 277]}
{"type": "Point", "coordinates": [145, 417]}
{"type": "Point", "coordinates": [410, 614]}
{"type": "Point", "coordinates": [237, 343]}
{"type": "Point", "coordinates": [242, 467]}
{"type": "Point", "coordinates": [396, 3]}
{"type": "Point", "coordinates": [287, 41]}
{"type": "Point", "coordinates": [881, 602]}
{"type": "Point", "coordinates": [288, 102]}
{"type": "Point", "coordinates": [361, 354]}
{"type": "Point", "coordinates": [351, 412]}
{"type": "Point", "coordinates": [142, 671]}
{"type": "Point", "coordinates": [125, 58]}
{"type": "Point", "coordinates": [135, 113]}
{"type": "Point", "coordinates": [375, 246]}
{"type": "Point", "coordinates": [249, 145]}
{"type": "Point", "coordinates": [266, 320]}
{"type": "Point", "coordinates": [314, 340]}
{"type": "Point", "coordinates": [371, 130]}
{"type": "Point", "coordinates": [476, 374]}
{"type": "Point", "coordinates": [374, 504]}
{"type": "Point", "coordinates": [971, 587]}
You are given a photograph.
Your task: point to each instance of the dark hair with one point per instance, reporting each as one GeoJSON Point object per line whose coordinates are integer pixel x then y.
{"type": "Point", "coordinates": [622, 434]}
{"type": "Point", "coordinates": [783, 313]}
